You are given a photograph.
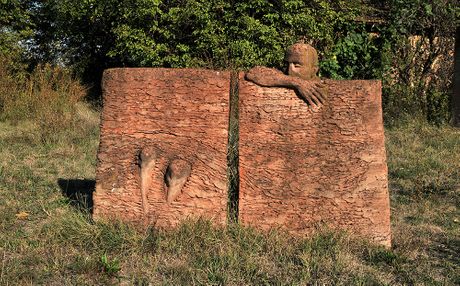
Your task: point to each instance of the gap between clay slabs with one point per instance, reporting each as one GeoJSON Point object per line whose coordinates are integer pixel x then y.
{"type": "Point", "coordinates": [232, 150]}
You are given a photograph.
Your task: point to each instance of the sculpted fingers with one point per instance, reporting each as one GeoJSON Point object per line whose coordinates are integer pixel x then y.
{"type": "Point", "coordinates": [314, 107]}
{"type": "Point", "coordinates": [307, 95]}
{"type": "Point", "coordinates": [314, 92]}
{"type": "Point", "coordinates": [314, 96]}
{"type": "Point", "coordinates": [311, 91]}
{"type": "Point", "coordinates": [320, 84]}
{"type": "Point", "coordinates": [319, 95]}
{"type": "Point", "coordinates": [319, 92]}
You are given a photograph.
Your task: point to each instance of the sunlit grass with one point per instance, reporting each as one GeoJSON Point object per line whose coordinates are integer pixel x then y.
{"type": "Point", "coordinates": [56, 243]}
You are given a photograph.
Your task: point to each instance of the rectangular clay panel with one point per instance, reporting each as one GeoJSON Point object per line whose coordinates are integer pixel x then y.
{"type": "Point", "coordinates": [301, 169]}
{"type": "Point", "coordinates": [163, 145]}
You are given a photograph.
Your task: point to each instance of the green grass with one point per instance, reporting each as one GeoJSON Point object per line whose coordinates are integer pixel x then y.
{"type": "Point", "coordinates": [58, 243]}
{"type": "Point", "coordinates": [424, 170]}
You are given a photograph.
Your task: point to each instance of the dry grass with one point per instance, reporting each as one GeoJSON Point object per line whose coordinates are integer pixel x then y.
{"type": "Point", "coordinates": [424, 169]}
{"type": "Point", "coordinates": [45, 238]}
{"type": "Point", "coordinates": [47, 96]}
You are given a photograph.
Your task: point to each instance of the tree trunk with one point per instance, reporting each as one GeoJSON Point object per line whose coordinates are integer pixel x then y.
{"type": "Point", "coordinates": [456, 92]}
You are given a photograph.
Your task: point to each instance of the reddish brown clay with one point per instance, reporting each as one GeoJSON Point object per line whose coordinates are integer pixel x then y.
{"type": "Point", "coordinates": [162, 155]}
{"type": "Point", "coordinates": [163, 144]}
{"type": "Point", "coordinates": [302, 60]}
{"type": "Point", "coordinates": [300, 170]}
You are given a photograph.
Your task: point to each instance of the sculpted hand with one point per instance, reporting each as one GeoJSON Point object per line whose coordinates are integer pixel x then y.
{"type": "Point", "coordinates": [312, 92]}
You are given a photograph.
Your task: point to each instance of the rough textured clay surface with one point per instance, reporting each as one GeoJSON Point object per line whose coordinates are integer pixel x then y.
{"type": "Point", "coordinates": [301, 169]}
{"type": "Point", "coordinates": [302, 60]}
{"type": "Point", "coordinates": [163, 145]}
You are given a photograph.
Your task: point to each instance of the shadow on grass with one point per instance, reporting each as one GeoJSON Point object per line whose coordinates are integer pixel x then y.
{"type": "Point", "coordinates": [79, 192]}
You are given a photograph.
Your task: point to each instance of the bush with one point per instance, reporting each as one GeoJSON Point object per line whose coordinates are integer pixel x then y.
{"type": "Point", "coordinates": [409, 48]}
{"type": "Point", "coordinates": [213, 34]}
{"type": "Point", "coordinates": [47, 96]}
{"type": "Point", "coordinates": [416, 71]}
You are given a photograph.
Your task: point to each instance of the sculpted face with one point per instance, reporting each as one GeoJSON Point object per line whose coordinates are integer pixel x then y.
{"type": "Point", "coordinates": [302, 61]}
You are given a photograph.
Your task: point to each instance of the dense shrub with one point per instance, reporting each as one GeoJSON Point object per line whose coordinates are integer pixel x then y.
{"type": "Point", "coordinates": [408, 48]}
{"type": "Point", "coordinates": [214, 34]}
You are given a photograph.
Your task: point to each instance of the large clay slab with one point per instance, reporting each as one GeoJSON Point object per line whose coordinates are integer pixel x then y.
{"type": "Point", "coordinates": [165, 115]}
{"type": "Point", "coordinates": [301, 169]}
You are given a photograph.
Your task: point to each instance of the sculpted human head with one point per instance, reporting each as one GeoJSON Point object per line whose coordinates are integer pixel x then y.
{"type": "Point", "coordinates": [302, 61]}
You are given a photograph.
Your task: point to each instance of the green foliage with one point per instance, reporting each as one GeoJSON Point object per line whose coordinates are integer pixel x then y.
{"type": "Point", "coordinates": [354, 56]}
{"type": "Point", "coordinates": [111, 267]}
{"type": "Point", "coordinates": [417, 58]}
{"type": "Point", "coordinates": [94, 35]}
{"type": "Point", "coordinates": [214, 34]}
{"type": "Point", "coordinates": [15, 27]}
{"type": "Point", "coordinates": [14, 22]}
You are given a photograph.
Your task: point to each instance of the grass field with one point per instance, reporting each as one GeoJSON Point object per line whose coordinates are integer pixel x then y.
{"type": "Point", "coordinates": [47, 238]}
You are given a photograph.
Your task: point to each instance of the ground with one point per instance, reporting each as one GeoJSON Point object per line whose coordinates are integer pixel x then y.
{"type": "Point", "coordinates": [47, 236]}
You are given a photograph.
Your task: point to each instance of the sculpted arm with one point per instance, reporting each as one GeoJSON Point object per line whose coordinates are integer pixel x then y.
{"type": "Point", "coordinates": [268, 77]}
{"type": "Point", "coordinates": [309, 90]}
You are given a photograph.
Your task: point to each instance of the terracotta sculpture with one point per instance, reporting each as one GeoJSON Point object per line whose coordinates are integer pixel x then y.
{"type": "Point", "coordinates": [301, 75]}
{"type": "Point", "coordinates": [176, 176]}
{"type": "Point", "coordinates": [164, 145]}
{"type": "Point", "coordinates": [147, 160]}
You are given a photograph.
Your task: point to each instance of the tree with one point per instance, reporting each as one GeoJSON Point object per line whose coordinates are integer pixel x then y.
{"type": "Point", "coordinates": [417, 57]}
{"type": "Point", "coordinates": [456, 90]}
{"type": "Point", "coordinates": [93, 35]}
{"type": "Point", "coordinates": [15, 29]}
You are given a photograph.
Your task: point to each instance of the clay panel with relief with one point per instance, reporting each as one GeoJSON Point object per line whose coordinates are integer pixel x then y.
{"type": "Point", "coordinates": [163, 145]}
{"type": "Point", "coordinates": [300, 170]}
